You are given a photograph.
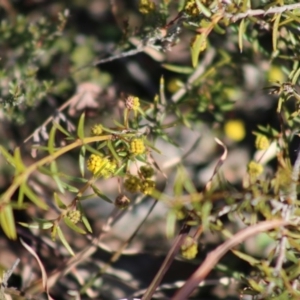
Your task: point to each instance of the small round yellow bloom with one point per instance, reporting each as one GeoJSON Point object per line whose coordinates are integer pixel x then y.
{"type": "Point", "coordinates": [132, 102]}
{"type": "Point", "coordinates": [255, 169]}
{"type": "Point", "coordinates": [189, 248]}
{"type": "Point", "coordinates": [97, 130]}
{"type": "Point", "coordinates": [137, 146]}
{"type": "Point", "coordinates": [146, 7]}
{"type": "Point", "coordinates": [132, 184]}
{"type": "Point", "coordinates": [191, 8]}
{"type": "Point", "coordinates": [74, 216]}
{"type": "Point", "coordinates": [101, 166]}
{"type": "Point", "coordinates": [235, 130]}
{"type": "Point", "coordinates": [147, 186]}
{"type": "Point", "coordinates": [262, 142]}
{"type": "Point", "coordinates": [147, 171]}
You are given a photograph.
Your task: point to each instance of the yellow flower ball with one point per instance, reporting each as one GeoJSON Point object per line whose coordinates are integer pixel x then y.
{"type": "Point", "coordinates": [262, 142]}
{"type": "Point", "coordinates": [137, 146]}
{"type": "Point", "coordinates": [235, 130]}
{"type": "Point", "coordinates": [255, 169]}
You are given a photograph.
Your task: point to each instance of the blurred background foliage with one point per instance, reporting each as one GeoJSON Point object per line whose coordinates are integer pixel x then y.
{"type": "Point", "coordinates": [200, 74]}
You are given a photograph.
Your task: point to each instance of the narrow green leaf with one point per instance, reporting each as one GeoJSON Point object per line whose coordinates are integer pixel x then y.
{"type": "Point", "coordinates": [112, 150]}
{"type": "Point", "coordinates": [19, 165]}
{"type": "Point", "coordinates": [295, 76]}
{"type": "Point", "coordinates": [54, 232]}
{"type": "Point", "coordinates": [75, 179]}
{"type": "Point", "coordinates": [178, 69]}
{"type": "Point", "coordinates": [55, 177]}
{"type": "Point", "coordinates": [82, 160]}
{"type": "Point", "coordinates": [64, 241]}
{"type": "Point", "coordinates": [73, 226]}
{"type": "Point", "coordinates": [242, 28]}
{"type": "Point", "coordinates": [119, 125]}
{"type": "Point", "coordinates": [21, 194]}
{"type": "Point", "coordinates": [86, 224]}
{"type": "Point", "coordinates": [275, 31]}
{"type": "Point", "coordinates": [63, 130]}
{"type": "Point", "coordinates": [199, 44]}
{"type": "Point", "coordinates": [10, 159]}
{"type": "Point", "coordinates": [51, 140]}
{"type": "Point", "coordinates": [34, 198]}
{"type": "Point", "coordinates": [84, 218]}
{"type": "Point", "coordinates": [171, 224]}
{"type": "Point", "coordinates": [7, 222]}
{"type": "Point", "coordinates": [203, 9]}
{"type": "Point", "coordinates": [45, 171]}
{"type": "Point", "coordinates": [82, 198]}
{"type": "Point", "coordinates": [69, 187]}
{"type": "Point", "coordinates": [42, 225]}
{"type": "Point", "coordinates": [100, 194]}
{"type": "Point", "coordinates": [248, 258]}
{"type": "Point", "coordinates": [80, 129]}
{"type": "Point", "coordinates": [59, 202]}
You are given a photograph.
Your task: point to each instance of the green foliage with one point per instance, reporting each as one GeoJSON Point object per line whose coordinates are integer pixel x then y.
{"type": "Point", "coordinates": [225, 74]}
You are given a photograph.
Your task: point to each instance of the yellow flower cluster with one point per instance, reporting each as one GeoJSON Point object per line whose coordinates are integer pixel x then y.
{"type": "Point", "coordinates": [137, 146]}
{"type": "Point", "coordinates": [146, 7]}
{"type": "Point", "coordinates": [189, 248]}
{"type": "Point", "coordinates": [97, 130]}
{"type": "Point", "coordinates": [147, 186]}
{"type": "Point", "coordinates": [74, 216]}
{"type": "Point", "coordinates": [132, 184]}
{"type": "Point", "coordinates": [191, 8]}
{"type": "Point", "coordinates": [101, 166]}
{"type": "Point", "coordinates": [255, 169]}
{"type": "Point", "coordinates": [147, 171]}
{"type": "Point", "coordinates": [262, 142]}
{"type": "Point", "coordinates": [132, 102]}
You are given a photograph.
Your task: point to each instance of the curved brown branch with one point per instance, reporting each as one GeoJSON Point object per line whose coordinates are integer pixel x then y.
{"type": "Point", "coordinates": [214, 256]}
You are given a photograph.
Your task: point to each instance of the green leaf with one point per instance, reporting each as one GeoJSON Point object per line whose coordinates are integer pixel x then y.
{"type": "Point", "coordinates": [51, 141]}
{"type": "Point", "coordinates": [82, 160]}
{"type": "Point", "coordinates": [54, 171]}
{"type": "Point", "coordinates": [41, 225]}
{"type": "Point", "coordinates": [198, 45]}
{"type": "Point", "coordinates": [242, 28]}
{"type": "Point", "coordinates": [59, 202]}
{"type": "Point", "coordinates": [34, 198]}
{"type": "Point", "coordinates": [69, 187]}
{"type": "Point", "coordinates": [100, 194]}
{"type": "Point", "coordinates": [75, 179]}
{"type": "Point", "coordinates": [73, 226]}
{"type": "Point", "coordinates": [10, 159]}
{"type": "Point", "coordinates": [112, 150]}
{"type": "Point", "coordinates": [275, 31]}
{"type": "Point", "coordinates": [203, 9]}
{"type": "Point", "coordinates": [251, 260]}
{"type": "Point", "coordinates": [295, 76]}
{"type": "Point", "coordinates": [86, 224]}
{"type": "Point", "coordinates": [7, 221]}
{"type": "Point", "coordinates": [54, 232]}
{"type": "Point", "coordinates": [80, 128]}
{"type": "Point", "coordinates": [171, 224]}
{"type": "Point", "coordinates": [20, 167]}
{"type": "Point", "coordinates": [64, 241]}
{"type": "Point", "coordinates": [178, 69]}
{"type": "Point", "coordinates": [63, 130]}
{"type": "Point", "coordinates": [205, 213]}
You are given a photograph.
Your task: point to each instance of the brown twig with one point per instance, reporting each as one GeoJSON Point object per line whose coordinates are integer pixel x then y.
{"type": "Point", "coordinates": [259, 12]}
{"type": "Point", "coordinates": [167, 262]}
{"type": "Point", "coordinates": [214, 256]}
